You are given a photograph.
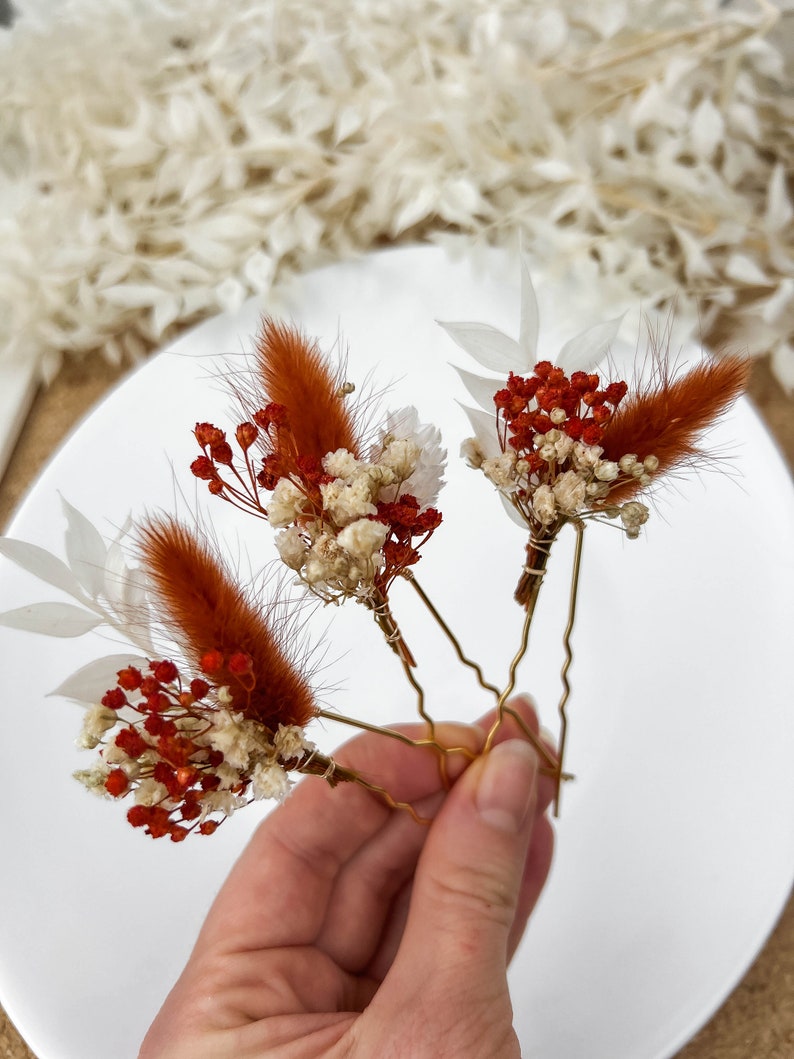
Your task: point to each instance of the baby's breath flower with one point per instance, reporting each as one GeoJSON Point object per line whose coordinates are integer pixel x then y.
{"type": "Point", "coordinates": [363, 538]}
{"type": "Point", "coordinates": [291, 547]}
{"type": "Point", "coordinates": [544, 504]}
{"type": "Point", "coordinates": [290, 742]}
{"type": "Point", "coordinates": [606, 470]}
{"type": "Point", "coordinates": [235, 737]}
{"type": "Point", "coordinates": [150, 792]}
{"type": "Point", "coordinates": [93, 779]}
{"type": "Point", "coordinates": [401, 456]}
{"type": "Point", "coordinates": [269, 780]}
{"type": "Point", "coordinates": [502, 470]}
{"type": "Point", "coordinates": [633, 515]}
{"type": "Point", "coordinates": [570, 492]}
{"type": "Point", "coordinates": [286, 504]}
{"type": "Point", "coordinates": [472, 453]}
{"type": "Point", "coordinates": [98, 719]}
{"type": "Point", "coordinates": [341, 464]}
{"type": "Point", "coordinates": [346, 500]}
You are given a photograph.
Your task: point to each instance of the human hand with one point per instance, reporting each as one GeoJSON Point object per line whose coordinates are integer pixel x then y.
{"type": "Point", "coordinates": [347, 929]}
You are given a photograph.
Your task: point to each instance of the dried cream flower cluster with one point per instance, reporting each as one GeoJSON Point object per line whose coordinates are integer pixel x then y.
{"type": "Point", "coordinates": [575, 481]}
{"type": "Point", "coordinates": [348, 529]}
{"type": "Point", "coordinates": [186, 757]}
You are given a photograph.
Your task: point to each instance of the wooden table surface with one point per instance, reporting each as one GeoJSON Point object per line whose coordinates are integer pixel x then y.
{"type": "Point", "coordinates": [757, 1020]}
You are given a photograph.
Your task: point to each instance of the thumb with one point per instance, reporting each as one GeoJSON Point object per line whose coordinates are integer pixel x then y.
{"type": "Point", "coordinates": [468, 880]}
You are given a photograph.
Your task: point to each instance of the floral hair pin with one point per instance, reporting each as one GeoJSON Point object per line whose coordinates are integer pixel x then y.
{"type": "Point", "coordinates": [211, 708]}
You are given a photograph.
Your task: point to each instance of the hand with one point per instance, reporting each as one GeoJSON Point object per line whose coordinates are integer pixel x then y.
{"type": "Point", "coordinates": [347, 929]}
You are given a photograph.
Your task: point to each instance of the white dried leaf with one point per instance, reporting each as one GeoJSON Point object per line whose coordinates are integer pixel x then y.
{"type": "Point", "coordinates": [489, 346]}
{"type": "Point", "coordinates": [776, 304]}
{"type": "Point", "coordinates": [554, 169]}
{"type": "Point", "coordinates": [707, 129]}
{"type": "Point", "coordinates": [482, 390]}
{"type": "Point", "coordinates": [585, 350]}
{"type": "Point", "coordinates": [484, 427]}
{"type": "Point", "coordinates": [42, 564]}
{"type": "Point", "coordinates": [132, 295]}
{"type": "Point", "coordinates": [744, 270]}
{"type": "Point", "coordinates": [779, 211]}
{"type": "Point", "coordinates": [530, 317]}
{"type": "Point", "coordinates": [86, 551]}
{"type": "Point", "coordinates": [51, 619]}
{"type": "Point", "coordinates": [783, 365]}
{"type": "Point", "coordinates": [88, 684]}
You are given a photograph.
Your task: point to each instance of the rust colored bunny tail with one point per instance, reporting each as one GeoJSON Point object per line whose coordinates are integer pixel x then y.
{"type": "Point", "coordinates": [295, 374]}
{"type": "Point", "coordinates": [667, 418]}
{"type": "Point", "coordinates": [223, 632]}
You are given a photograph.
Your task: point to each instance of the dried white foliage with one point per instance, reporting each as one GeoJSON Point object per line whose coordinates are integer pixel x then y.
{"type": "Point", "coordinates": [160, 161]}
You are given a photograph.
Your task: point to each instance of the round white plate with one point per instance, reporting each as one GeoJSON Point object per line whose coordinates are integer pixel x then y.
{"type": "Point", "coordinates": [675, 847]}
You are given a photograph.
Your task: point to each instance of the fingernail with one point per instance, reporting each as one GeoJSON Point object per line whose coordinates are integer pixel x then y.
{"type": "Point", "coordinates": [506, 785]}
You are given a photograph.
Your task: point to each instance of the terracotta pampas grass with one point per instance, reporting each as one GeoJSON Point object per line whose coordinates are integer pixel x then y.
{"type": "Point", "coordinates": [294, 373]}
{"type": "Point", "coordinates": [223, 632]}
{"type": "Point", "coordinates": [667, 418]}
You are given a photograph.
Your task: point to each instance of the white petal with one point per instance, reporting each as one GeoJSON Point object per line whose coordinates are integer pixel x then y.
{"type": "Point", "coordinates": [484, 427]}
{"type": "Point", "coordinates": [85, 550]}
{"type": "Point", "coordinates": [489, 346]}
{"type": "Point", "coordinates": [530, 319]}
{"type": "Point", "coordinates": [554, 170]}
{"type": "Point", "coordinates": [783, 365]}
{"type": "Point", "coordinates": [707, 129]}
{"type": "Point", "coordinates": [42, 564]}
{"type": "Point", "coordinates": [482, 390]}
{"type": "Point", "coordinates": [51, 619]}
{"type": "Point", "coordinates": [743, 269]}
{"type": "Point", "coordinates": [89, 683]}
{"type": "Point", "coordinates": [779, 210]}
{"type": "Point", "coordinates": [584, 351]}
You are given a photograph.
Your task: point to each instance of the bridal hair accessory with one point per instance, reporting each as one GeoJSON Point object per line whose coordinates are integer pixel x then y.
{"type": "Point", "coordinates": [212, 707]}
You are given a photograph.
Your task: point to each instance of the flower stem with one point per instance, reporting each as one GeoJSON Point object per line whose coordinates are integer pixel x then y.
{"type": "Point", "coordinates": [379, 606]}
{"type": "Point", "coordinates": [411, 579]}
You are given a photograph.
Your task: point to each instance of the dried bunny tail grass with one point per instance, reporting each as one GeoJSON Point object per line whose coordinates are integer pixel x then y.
{"type": "Point", "coordinates": [211, 613]}
{"type": "Point", "coordinates": [668, 416]}
{"type": "Point", "coordinates": [294, 373]}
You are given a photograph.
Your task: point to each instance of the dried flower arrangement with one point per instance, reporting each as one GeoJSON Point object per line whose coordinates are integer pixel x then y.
{"type": "Point", "coordinates": [213, 713]}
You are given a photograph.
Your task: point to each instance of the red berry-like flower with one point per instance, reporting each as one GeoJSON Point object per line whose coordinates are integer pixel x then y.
{"type": "Point", "coordinates": [211, 662]}
{"type": "Point", "coordinates": [129, 678]}
{"type": "Point", "coordinates": [166, 672]}
{"type": "Point", "coordinates": [114, 699]}
{"type": "Point", "coordinates": [117, 783]}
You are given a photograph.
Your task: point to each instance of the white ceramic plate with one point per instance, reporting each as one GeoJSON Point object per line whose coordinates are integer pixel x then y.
{"type": "Point", "coordinates": [675, 847]}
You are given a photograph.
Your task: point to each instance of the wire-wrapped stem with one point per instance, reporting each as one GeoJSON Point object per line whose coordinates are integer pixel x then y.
{"type": "Point", "coordinates": [379, 605]}
{"type": "Point", "coordinates": [317, 764]}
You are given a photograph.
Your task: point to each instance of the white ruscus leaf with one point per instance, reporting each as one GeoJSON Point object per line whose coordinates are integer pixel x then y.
{"type": "Point", "coordinates": [482, 390]}
{"type": "Point", "coordinates": [489, 346]}
{"type": "Point", "coordinates": [530, 320]}
{"type": "Point", "coordinates": [51, 619]}
{"type": "Point", "coordinates": [85, 550]}
{"type": "Point", "coordinates": [484, 427]}
{"type": "Point", "coordinates": [42, 564]}
{"type": "Point", "coordinates": [89, 683]}
{"type": "Point", "coordinates": [584, 351]}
